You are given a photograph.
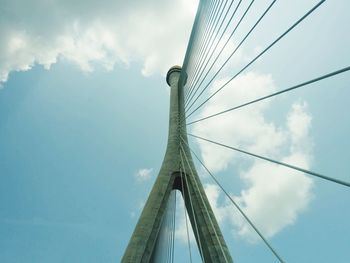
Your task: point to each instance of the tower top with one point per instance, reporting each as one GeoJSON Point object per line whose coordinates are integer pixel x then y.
{"type": "Point", "coordinates": [173, 69]}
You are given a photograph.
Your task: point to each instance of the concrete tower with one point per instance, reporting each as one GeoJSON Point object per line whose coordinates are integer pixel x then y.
{"type": "Point", "coordinates": [209, 238]}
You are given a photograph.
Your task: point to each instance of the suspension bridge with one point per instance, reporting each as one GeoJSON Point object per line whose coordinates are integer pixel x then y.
{"type": "Point", "coordinates": [191, 87]}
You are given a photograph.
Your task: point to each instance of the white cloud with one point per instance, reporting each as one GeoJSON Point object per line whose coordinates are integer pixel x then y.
{"type": "Point", "coordinates": [273, 196]}
{"type": "Point", "coordinates": [144, 174]}
{"type": "Point", "coordinates": [246, 128]}
{"type": "Point", "coordinates": [213, 193]}
{"type": "Point", "coordinates": [89, 34]}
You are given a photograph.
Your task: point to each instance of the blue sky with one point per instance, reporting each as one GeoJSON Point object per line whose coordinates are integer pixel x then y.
{"type": "Point", "coordinates": [84, 108]}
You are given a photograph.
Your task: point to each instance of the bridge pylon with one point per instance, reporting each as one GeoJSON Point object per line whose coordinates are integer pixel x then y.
{"type": "Point", "coordinates": [177, 173]}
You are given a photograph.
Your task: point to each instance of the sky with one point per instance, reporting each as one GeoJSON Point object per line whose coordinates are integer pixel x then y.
{"type": "Point", "coordinates": [84, 118]}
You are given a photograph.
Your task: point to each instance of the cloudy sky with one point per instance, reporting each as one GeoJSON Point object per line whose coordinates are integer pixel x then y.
{"type": "Point", "coordinates": [83, 128]}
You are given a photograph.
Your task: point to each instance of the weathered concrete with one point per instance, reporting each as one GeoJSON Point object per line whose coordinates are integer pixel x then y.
{"type": "Point", "coordinates": [143, 240]}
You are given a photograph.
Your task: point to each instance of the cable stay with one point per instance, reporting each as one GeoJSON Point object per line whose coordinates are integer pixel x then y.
{"type": "Point", "coordinates": [191, 85]}
{"type": "Point", "coordinates": [193, 213]}
{"type": "Point", "coordinates": [183, 195]}
{"type": "Point", "coordinates": [199, 31]}
{"type": "Point", "coordinates": [276, 162]}
{"type": "Point", "coordinates": [237, 206]}
{"type": "Point", "coordinates": [207, 30]}
{"type": "Point", "coordinates": [258, 56]}
{"type": "Point", "coordinates": [229, 8]}
{"type": "Point", "coordinates": [227, 41]}
{"type": "Point", "coordinates": [164, 247]}
{"type": "Point", "coordinates": [215, 37]}
{"type": "Point", "coordinates": [196, 37]}
{"type": "Point", "coordinates": [209, 45]}
{"type": "Point", "coordinates": [234, 51]}
{"type": "Point", "coordinates": [173, 229]}
{"type": "Point", "coordinates": [221, 37]}
{"type": "Point", "coordinates": [343, 70]}
{"type": "Point", "coordinates": [203, 202]}
{"type": "Point", "coordinates": [170, 226]}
